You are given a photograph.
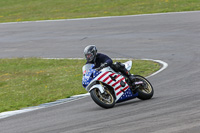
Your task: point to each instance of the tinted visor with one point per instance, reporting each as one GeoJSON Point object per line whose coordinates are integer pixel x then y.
{"type": "Point", "coordinates": [89, 57]}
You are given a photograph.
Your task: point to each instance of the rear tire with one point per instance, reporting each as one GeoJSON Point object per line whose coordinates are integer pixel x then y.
{"type": "Point", "coordinates": [145, 90]}
{"type": "Point", "coordinates": [105, 100]}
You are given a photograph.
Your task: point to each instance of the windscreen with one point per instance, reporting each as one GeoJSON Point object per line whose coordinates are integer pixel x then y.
{"type": "Point", "coordinates": [87, 67]}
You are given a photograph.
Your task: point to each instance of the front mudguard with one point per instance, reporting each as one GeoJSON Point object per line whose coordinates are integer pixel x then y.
{"type": "Point", "coordinates": [99, 86]}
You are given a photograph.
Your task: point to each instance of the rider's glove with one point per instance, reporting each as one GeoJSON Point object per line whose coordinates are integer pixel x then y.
{"type": "Point", "coordinates": [102, 66]}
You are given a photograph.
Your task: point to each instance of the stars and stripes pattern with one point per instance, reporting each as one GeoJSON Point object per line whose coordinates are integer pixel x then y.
{"type": "Point", "coordinates": [106, 78]}
{"type": "Point", "coordinates": [127, 95]}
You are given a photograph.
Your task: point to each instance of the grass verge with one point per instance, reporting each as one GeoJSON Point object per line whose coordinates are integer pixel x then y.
{"type": "Point", "coordinates": [33, 81]}
{"type": "Point", "coordinates": [30, 10]}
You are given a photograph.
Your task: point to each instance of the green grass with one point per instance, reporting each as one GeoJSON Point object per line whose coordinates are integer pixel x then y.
{"type": "Point", "coordinates": [33, 81]}
{"type": "Point", "coordinates": [29, 10]}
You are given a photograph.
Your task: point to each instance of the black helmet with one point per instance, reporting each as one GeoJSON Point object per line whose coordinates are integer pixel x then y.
{"type": "Point", "coordinates": [90, 53]}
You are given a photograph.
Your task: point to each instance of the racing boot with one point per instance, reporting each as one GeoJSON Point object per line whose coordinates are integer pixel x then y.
{"type": "Point", "coordinates": [130, 80]}
{"type": "Point", "coordinates": [133, 86]}
{"type": "Point", "coordinates": [130, 76]}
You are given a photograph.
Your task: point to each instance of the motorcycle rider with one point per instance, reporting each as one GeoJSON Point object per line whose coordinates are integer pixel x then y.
{"type": "Point", "coordinates": [101, 60]}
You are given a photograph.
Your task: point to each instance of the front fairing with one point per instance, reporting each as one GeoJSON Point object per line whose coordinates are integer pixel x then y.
{"type": "Point", "coordinates": [88, 74]}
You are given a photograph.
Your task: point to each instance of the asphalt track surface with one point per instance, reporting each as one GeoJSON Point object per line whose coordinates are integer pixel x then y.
{"type": "Point", "coordinates": [173, 38]}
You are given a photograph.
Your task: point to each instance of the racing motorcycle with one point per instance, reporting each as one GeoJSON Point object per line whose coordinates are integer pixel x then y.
{"type": "Point", "coordinates": [107, 87]}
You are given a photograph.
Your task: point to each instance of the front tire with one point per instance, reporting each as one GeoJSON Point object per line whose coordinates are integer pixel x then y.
{"type": "Point", "coordinates": [145, 90]}
{"type": "Point", "coordinates": [105, 100]}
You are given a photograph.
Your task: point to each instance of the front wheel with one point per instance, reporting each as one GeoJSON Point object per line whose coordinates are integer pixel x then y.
{"type": "Point", "coordinates": [145, 90]}
{"type": "Point", "coordinates": [105, 100]}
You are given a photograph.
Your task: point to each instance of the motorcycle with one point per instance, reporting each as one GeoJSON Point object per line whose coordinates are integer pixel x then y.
{"type": "Point", "coordinates": [107, 87]}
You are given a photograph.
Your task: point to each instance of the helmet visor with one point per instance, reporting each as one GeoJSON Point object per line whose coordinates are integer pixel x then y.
{"type": "Point", "coordinates": [89, 57]}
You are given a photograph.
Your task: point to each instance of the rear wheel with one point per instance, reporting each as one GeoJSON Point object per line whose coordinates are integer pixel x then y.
{"type": "Point", "coordinates": [105, 100]}
{"type": "Point", "coordinates": [145, 90]}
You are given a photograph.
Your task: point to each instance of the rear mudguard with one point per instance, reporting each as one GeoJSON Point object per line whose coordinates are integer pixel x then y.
{"type": "Point", "coordinates": [99, 86]}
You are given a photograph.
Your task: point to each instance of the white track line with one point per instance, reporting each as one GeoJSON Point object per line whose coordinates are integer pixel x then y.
{"type": "Point", "coordinates": [164, 66]}
{"type": "Point", "coordinates": [95, 18]}
{"type": "Point", "coordinates": [72, 98]}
